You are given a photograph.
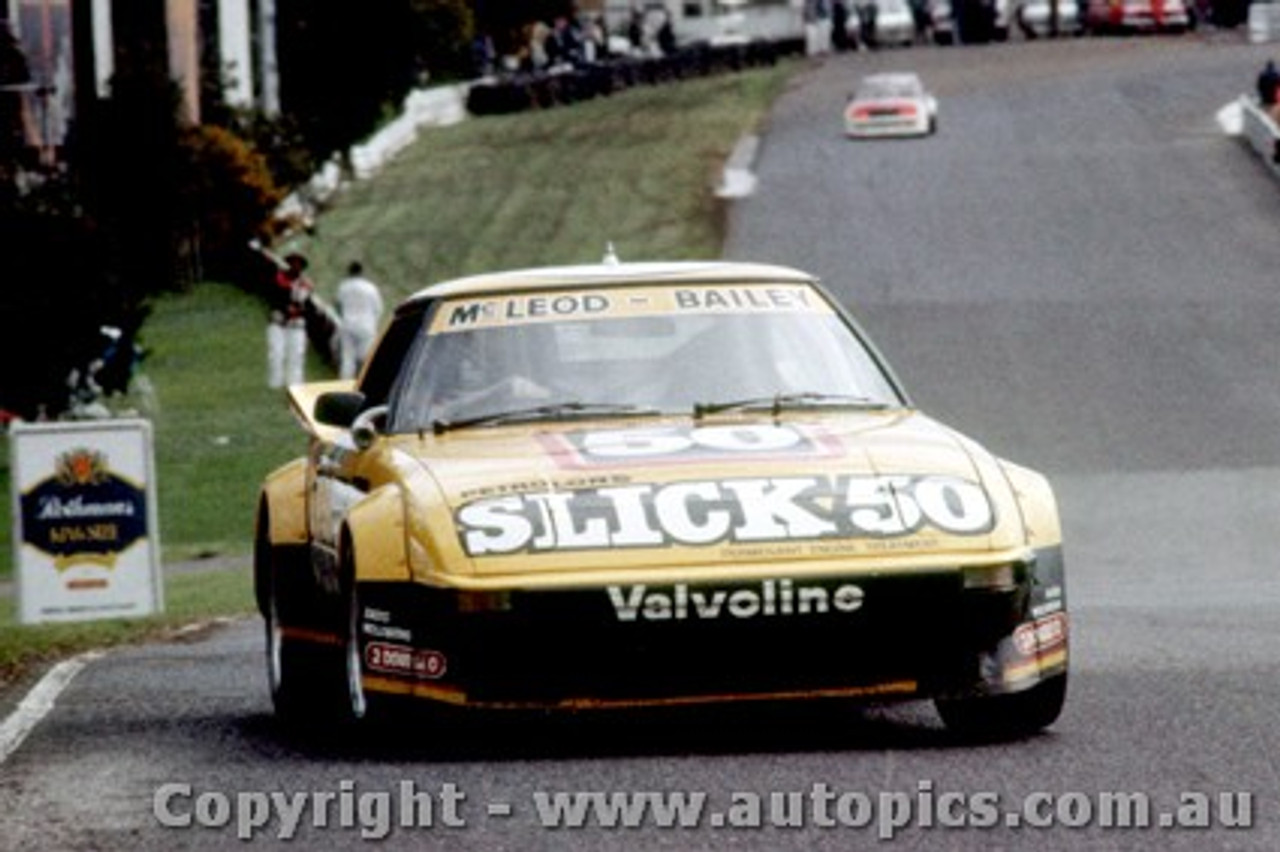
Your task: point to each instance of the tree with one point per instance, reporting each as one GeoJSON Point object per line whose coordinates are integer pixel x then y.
{"type": "Point", "coordinates": [14, 76]}
{"type": "Point", "coordinates": [340, 67]}
{"type": "Point", "coordinates": [443, 31]}
{"type": "Point", "coordinates": [150, 203]}
{"type": "Point", "coordinates": [505, 20]}
{"type": "Point", "coordinates": [343, 69]}
{"type": "Point", "coordinates": [226, 197]}
{"type": "Point", "coordinates": [58, 289]}
{"type": "Point", "coordinates": [82, 247]}
{"type": "Point", "coordinates": [131, 176]}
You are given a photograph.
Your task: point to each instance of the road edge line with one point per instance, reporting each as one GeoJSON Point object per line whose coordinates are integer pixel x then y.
{"type": "Point", "coordinates": [737, 178]}
{"type": "Point", "coordinates": [39, 701]}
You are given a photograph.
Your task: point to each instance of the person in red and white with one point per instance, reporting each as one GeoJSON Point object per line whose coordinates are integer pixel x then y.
{"type": "Point", "coordinates": [287, 329]}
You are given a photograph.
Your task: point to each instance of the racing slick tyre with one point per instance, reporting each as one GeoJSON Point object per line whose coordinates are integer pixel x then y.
{"type": "Point", "coordinates": [357, 703]}
{"type": "Point", "coordinates": [302, 672]}
{"type": "Point", "coordinates": [1009, 716]}
{"type": "Point", "coordinates": [358, 707]}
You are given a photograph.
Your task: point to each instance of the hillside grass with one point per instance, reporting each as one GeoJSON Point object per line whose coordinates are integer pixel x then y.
{"type": "Point", "coordinates": [637, 170]}
{"type": "Point", "coordinates": [554, 186]}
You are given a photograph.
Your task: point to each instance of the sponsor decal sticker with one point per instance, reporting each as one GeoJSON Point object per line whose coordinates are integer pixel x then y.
{"type": "Point", "coordinates": [403, 660]}
{"type": "Point", "coordinates": [377, 623]}
{"type": "Point", "coordinates": [1041, 635]}
{"type": "Point", "coordinates": [1041, 610]}
{"type": "Point", "coordinates": [724, 511]}
{"type": "Point", "coordinates": [771, 598]}
{"type": "Point", "coordinates": [738, 299]}
{"type": "Point", "coordinates": [520, 309]}
{"type": "Point", "coordinates": [685, 444]}
{"type": "Point", "coordinates": [578, 305]}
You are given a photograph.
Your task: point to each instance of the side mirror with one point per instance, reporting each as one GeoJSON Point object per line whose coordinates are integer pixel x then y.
{"type": "Point", "coordinates": [338, 408]}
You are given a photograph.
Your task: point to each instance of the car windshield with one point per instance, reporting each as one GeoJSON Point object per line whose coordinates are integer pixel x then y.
{"type": "Point", "coordinates": [643, 350]}
{"type": "Point", "coordinates": [887, 87]}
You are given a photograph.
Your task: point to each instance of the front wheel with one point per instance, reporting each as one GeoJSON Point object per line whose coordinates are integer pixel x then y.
{"type": "Point", "coordinates": [358, 706]}
{"type": "Point", "coordinates": [357, 703]}
{"type": "Point", "coordinates": [302, 658]}
{"type": "Point", "coordinates": [1017, 714]}
{"type": "Point", "coordinates": [299, 673]}
{"type": "Point", "coordinates": [301, 665]}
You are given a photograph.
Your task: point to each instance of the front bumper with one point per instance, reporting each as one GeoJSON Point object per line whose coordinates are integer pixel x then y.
{"type": "Point", "coordinates": [875, 636]}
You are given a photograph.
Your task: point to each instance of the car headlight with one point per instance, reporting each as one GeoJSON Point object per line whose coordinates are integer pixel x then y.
{"type": "Point", "coordinates": [475, 600]}
{"type": "Point", "coordinates": [1003, 576]}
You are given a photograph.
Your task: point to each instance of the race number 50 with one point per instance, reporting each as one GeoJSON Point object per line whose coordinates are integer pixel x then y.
{"type": "Point", "coordinates": [899, 505]}
{"type": "Point", "coordinates": [673, 441]}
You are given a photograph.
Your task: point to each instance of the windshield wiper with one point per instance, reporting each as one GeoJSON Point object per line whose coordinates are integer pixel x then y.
{"type": "Point", "coordinates": [782, 401]}
{"type": "Point", "coordinates": [552, 411]}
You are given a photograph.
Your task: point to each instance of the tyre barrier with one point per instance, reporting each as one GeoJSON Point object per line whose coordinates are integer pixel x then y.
{"type": "Point", "coordinates": [567, 85]}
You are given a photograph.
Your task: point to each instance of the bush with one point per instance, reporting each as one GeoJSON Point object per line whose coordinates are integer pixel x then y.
{"type": "Point", "coordinates": [228, 194]}
{"type": "Point", "coordinates": [130, 169]}
{"type": "Point", "coordinates": [282, 144]}
{"type": "Point", "coordinates": [152, 205]}
{"type": "Point", "coordinates": [57, 293]}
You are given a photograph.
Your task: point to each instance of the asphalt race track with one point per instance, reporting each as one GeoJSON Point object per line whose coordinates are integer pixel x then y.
{"type": "Point", "coordinates": [1081, 270]}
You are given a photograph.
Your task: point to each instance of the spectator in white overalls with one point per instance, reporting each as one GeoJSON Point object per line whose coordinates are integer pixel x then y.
{"type": "Point", "coordinates": [360, 307]}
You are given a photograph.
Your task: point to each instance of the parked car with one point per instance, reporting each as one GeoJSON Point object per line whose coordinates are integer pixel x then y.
{"type": "Point", "coordinates": [1113, 16]}
{"type": "Point", "coordinates": [1002, 19]}
{"type": "Point", "coordinates": [942, 22]}
{"type": "Point", "coordinates": [891, 104]}
{"type": "Point", "coordinates": [980, 21]}
{"type": "Point", "coordinates": [649, 484]}
{"type": "Point", "coordinates": [1036, 18]}
{"type": "Point", "coordinates": [887, 23]}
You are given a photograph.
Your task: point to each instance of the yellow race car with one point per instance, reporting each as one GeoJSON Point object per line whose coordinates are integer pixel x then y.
{"type": "Point", "coordinates": [632, 484]}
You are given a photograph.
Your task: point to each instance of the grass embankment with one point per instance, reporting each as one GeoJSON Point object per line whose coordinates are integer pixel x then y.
{"type": "Point", "coordinates": [637, 169]}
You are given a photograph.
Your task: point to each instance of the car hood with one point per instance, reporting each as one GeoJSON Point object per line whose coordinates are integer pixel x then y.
{"type": "Point", "coordinates": [602, 495]}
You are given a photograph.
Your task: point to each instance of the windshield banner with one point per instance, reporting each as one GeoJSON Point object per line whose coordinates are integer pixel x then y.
{"type": "Point", "coordinates": [573, 305]}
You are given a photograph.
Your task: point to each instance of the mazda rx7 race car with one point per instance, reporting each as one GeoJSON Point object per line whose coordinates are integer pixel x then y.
{"type": "Point", "coordinates": [890, 103]}
{"type": "Point", "coordinates": [636, 484]}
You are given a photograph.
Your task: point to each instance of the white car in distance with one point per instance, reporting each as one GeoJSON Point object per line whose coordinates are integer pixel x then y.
{"type": "Point", "coordinates": [891, 104]}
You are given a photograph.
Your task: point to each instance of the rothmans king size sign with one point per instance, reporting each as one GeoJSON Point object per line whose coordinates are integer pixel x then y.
{"type": "Point", "coordinates": [85, 539]}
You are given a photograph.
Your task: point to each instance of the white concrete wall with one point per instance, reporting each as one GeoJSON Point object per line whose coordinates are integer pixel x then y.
{"type": "Point", "coordinates": [1256, 127]}
{"type": "Point", "coordinates": [435, 107]}
{"type": "Point", "coordinates": [104, 59]}
{"type": "Point", "coordinates": [236, 47]}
